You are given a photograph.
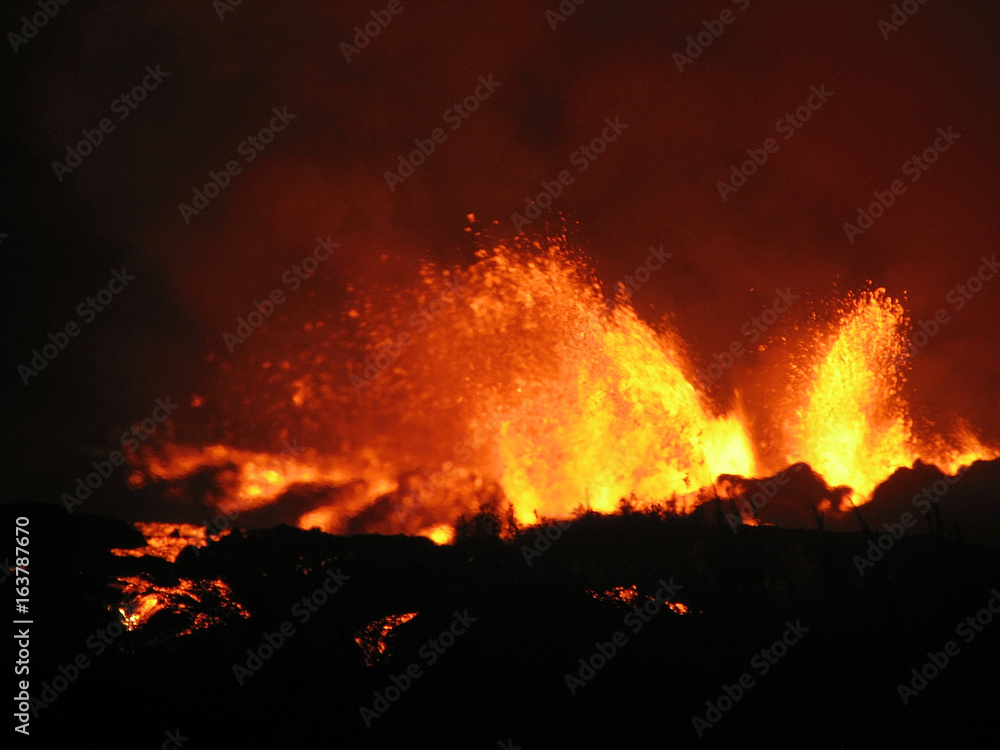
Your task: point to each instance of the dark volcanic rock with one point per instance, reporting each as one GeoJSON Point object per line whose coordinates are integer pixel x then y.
{"type": "Point", "coordinates": [489, 652]}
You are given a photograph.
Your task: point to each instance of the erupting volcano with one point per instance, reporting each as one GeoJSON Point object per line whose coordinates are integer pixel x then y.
{"type": "Point", "coordinates": [520, 377]}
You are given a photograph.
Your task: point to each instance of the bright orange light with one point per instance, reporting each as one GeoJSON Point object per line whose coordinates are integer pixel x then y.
{"type": "Point", "coordinates": [591, 404]}
{"type": "Point", "coordinates": [375, 638]}
{"type": "Point", "coordinates": [442, 534]}
{"type": "Point", "coordinates": [852, 424]}
{"type": "Point", "coordinates": [165, 540]}
{"type": "Point", "coordinates": [141, 600]}
{"type": "Point", "coordinates": [522, 381]}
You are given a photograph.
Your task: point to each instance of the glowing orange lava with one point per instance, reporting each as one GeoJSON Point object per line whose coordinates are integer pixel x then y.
{"type": "Point", "coordinates": [629, 596]}
{"type": "Point", "coordinates": [608, 411]}
{"type": "Point", "coordinates": [519, 379]}
{"type": "Point", "coordinates": [375, 639]}
{"type": "Point", "coordinates": [202, 603]}
{"type": "Point", "coordinates": [852, 424]}
{"type": "Point", "coordinates": [165, 540]}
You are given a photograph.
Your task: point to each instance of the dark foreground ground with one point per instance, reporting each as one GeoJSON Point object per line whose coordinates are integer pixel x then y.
{"type": "Point", "coordinates": [500, 678]}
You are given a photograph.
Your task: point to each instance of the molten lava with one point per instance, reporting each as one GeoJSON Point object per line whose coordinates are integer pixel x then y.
{"type": "Point", "coordinates": [518, 378]}
{"type": "Point", "coordinates": [600, 406]}
{"type": "Point", "coordinates": [196, 605]}
{"type": "Point", "coordinates": [166, 540]}
{"type": "Point", "coordinates": [852, 425]}
{"type": "Point", "coordinates": [375, 639]}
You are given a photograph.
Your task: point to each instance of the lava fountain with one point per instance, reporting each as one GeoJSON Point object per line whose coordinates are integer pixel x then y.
{"type": "Point", "coordinates": [852, 424]}
{"type": "Point", "coordinates": [597, 405]}
{"type": "Point", "coordinates": [518, 377]}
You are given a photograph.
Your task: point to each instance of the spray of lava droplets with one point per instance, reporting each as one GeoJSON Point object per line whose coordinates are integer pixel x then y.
{"type": "Point", "coordinates": [852, 425]}
{"type": "Point", "coordinates": [520, 377]}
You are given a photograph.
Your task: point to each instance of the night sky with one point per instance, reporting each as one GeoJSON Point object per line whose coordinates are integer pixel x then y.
{"type": "Point", "coordinates": [880, 95]}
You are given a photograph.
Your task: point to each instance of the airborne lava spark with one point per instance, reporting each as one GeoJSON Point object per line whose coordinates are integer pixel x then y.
{"type": "Point", "coordinates": [531, 384]}
{"type": "Point", "coordinates": [853, 426]}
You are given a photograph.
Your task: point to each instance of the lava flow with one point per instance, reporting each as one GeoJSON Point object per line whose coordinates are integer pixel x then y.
{"type": "Point", "coordinates": [518, 378]}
